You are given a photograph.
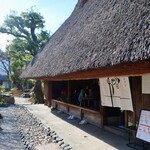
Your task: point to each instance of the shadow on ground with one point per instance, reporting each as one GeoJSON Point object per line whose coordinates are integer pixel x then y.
{"type": "Point", "coordinates": [116, 141]}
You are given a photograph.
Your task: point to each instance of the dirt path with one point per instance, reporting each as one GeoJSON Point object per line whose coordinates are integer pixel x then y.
{"type": "Point", "coordinates": [9, 136]}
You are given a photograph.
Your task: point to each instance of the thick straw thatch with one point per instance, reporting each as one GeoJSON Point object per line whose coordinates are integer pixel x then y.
{"type": "Point", "coordinates": [98, 33]}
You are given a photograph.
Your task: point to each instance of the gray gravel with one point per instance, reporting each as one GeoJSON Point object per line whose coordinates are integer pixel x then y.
{"type": "Point", "coordinates": [9, 135]}
{"type": "Point", "coordinates": [21, 130]}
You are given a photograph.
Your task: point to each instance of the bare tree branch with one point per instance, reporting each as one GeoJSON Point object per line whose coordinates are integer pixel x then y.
{"type": "Point", "coordinates": [2, 69]}
{"type": "Point", "coordinates": [15, 34]}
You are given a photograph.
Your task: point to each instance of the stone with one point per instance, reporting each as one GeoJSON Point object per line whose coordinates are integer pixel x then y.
{"type": "Point", "coordinates": [60, 143]}
{"type": "Point", "coordinates": [54, 141]}
{"type": "Point", "coordinates": [33, 132]}
{"type": "Point", "coordinates": [68, 148]}
{"type": "Point", "coordinates": [9, 100]}
{"type": "Point", "coordinates": [49, 140]}
{"type": "Point", "coordinates": [54, 136]}
{"type": "Point", "coordinates": [64, 145]}
{"type": "Point", "coordinates": [59, 139]}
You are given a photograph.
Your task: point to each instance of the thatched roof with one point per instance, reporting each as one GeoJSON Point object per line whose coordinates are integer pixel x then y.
{"type": "Point", "coordinates": [98, 33]}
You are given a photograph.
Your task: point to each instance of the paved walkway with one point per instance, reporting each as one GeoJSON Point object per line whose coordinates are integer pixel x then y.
{"type": "Point", "coordinates": [80, 137]}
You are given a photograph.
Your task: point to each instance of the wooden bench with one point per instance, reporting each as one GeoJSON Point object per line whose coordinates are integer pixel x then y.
{"type": "Point", "coordinates": [75, 106]}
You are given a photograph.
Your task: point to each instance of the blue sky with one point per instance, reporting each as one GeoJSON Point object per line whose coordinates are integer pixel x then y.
{"type": "Point", "coordinates": [55, 12]}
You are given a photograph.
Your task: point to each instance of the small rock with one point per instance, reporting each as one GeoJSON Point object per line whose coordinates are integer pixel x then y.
{"type": "Point", "coordinates": [54, 141]}
{"type": "Point", "coordinates": [67, 148]}
{"type": "Point", "coordinates": [64, 145]}
{"type": "Point", "coordinates": [60, 143]}
{"type": "Point", "coordinates": [59, 139]}
{"type": "Point", "coordinates": [54, 136]}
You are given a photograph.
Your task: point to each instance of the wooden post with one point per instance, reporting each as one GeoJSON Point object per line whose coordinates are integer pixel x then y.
{"type": "Point", "coordinates": [45, 92]}
{"type": "Point", "coordinates": [126, 118]}
{"type": "Point", "coordinates": [103, 116]}
{"type": "Point", "coordinates": [136, 92]}
{"type": "Point", "coordinates": [48, 92]}
{"type": "Point", "coordinates": [69, 91]}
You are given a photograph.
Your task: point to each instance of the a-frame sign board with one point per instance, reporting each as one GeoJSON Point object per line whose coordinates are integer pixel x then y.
{"type": "Point", "coordinates": [143, 130]}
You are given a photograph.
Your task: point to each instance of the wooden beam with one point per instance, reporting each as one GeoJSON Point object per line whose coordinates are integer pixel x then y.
{"type": "Point", "coordinates": [127, 69]}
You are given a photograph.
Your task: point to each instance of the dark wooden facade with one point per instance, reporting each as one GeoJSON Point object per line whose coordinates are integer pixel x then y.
{"type": "Point", "coordinates": [100, 118]}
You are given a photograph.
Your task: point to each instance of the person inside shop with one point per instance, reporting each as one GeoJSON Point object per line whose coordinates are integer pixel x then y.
{"type": "Point", "coordinates": [75, 97]}
{"type": "Point", "coordinates": [81, 96]}
{"type": "Point", "coordinates": [84, 92]}
{"type": "Point", "coordinates": [63, 95]}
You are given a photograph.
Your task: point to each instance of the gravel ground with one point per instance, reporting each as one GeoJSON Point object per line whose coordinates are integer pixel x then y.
{"type": "Point", "coordinates": [21, 130]}
{"type": "Point", "coordinates": [9, 135]}
{"type": "Point", "coordinates": [26, 127]}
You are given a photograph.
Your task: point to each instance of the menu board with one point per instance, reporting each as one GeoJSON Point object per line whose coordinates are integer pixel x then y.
{"type": "Point", "coordinates": [143, 131]}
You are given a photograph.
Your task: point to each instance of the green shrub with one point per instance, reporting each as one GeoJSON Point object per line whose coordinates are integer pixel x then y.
{"type": "Point", "coordinates": [2, 89]}
{"type": "Point", "coordinates": [2, 104]}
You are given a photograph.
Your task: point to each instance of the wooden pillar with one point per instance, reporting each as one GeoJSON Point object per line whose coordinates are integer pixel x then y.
{"type": "Point", "coordinates": [126, 118]}
{"type": "Point", "coordinates": [103, 116]}
{"type": "Point", "coordinates": [146, 101]}
{"type": "Point", "coordinates": [69, 91]}
{"type": "Point", "coordinates": [45, 91]}
{"type": "Point", "coordinates": [48, 92]}
{"type": "Point", "coordinates": [136, 92]}
{"type": "Point", "coordinates": [101, 111]}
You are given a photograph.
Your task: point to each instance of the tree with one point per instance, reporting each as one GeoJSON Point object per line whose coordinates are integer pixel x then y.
{"type": "Point", "coordinates": [29, 37]}
{"type": "Point", "coordinates": [19, 57]}
{"type": "Point", "coordinates": [5, 65]}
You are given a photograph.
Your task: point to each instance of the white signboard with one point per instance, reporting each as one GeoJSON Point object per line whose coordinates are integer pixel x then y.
{"type": "Point", "coordinates": [143, 131]}
{"type": "Point", "coordinates": [115, 92]}
{"type": "Point", "coordinates": [146, 84]}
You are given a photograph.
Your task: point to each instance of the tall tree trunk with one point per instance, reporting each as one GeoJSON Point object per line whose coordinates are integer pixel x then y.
{"type": "Point", "coordinates": [9, 84]}
{"type": "Point", "coordinates": [39, 96]}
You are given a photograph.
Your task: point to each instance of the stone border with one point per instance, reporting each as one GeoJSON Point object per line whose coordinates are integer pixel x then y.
{"type": "Point", "coordinates": [33, 132]}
